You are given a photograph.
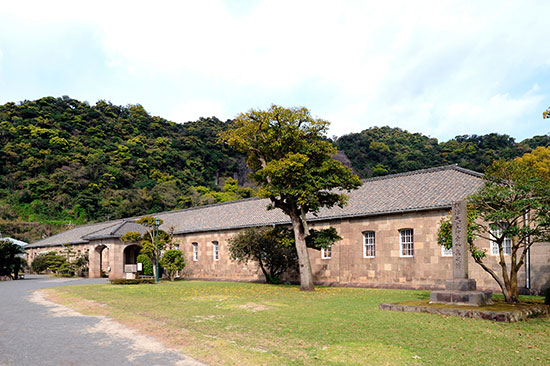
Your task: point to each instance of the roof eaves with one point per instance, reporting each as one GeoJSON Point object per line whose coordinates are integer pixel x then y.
{"type": "Point", "coordinates": [382, 212]}
{"type": "Point", "coordinates": [36, 245]}
{"type": "Point", "coordinates": [271, 223]}
{"type": "Point", "coordinates": [104, 236]}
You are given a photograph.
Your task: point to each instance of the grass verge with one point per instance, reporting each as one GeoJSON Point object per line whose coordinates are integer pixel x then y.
{"type": "Point", "coordinates": [224, 323]}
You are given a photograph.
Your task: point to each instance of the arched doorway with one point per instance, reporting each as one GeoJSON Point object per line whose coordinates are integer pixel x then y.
{"type": "Point", "coordinates": [100, 261]}
{"type": "Point", "coordinates": [130, 255]}
{"type": "Point", "coordinates": [104, 260]}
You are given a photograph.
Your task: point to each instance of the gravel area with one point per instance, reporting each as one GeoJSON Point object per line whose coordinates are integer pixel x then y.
{"type": "Point", "coordinates": [37, 332]}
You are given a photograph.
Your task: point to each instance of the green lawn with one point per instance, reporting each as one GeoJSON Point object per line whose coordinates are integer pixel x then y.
{"type": "Point", "coordinates": [225, 323]}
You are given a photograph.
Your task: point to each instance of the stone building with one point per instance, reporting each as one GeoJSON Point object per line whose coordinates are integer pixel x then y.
{"type": "Point", "coordinates": [388, 229]}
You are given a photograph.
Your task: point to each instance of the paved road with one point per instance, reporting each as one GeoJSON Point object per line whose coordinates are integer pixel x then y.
{"type": "Point", "coordinates": [37, 332]}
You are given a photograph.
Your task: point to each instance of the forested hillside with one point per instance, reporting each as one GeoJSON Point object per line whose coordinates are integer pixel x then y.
{"type": "Point", "coordinates": [384, 150]}
{"type": "Point", "coordinates": [64, 161]}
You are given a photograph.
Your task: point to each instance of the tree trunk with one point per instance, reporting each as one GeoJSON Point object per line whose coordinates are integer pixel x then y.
{"type": "Point", "coordinates": [304, 266]}
{"type": "Point", "coordinates": [504, 272]}
{"type": "Point", "coordinates": [154, 263]}
{"type": "Point", "coordinates": [514, 292]}
{"type": "Point", "coordinates": [502, 285]}
{"type": "Point", "coordinates": [267, 279]}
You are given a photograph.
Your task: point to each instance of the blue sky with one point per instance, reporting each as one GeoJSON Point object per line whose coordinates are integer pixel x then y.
{"type": "Point", "coordinates": [442, 68]}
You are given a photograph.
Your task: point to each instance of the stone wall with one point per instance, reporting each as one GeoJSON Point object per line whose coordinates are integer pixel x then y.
{"type": "Point", "coordinates": [205, 267]}
{"type": "Point", "coordinates": [427, 269]}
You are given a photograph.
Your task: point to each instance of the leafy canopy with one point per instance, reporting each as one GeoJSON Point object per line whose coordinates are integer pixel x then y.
{"type": "Point", "coordinates": [289, 157]}
{"type": "Point", "coordinates": [10, 261]}
{"type": "Point", "coordinates": [269, 247]}
{"type": "Point", "coordinates": [292, 163]}
{"type": "Point", "coordinates": [68, 161]}
{"type": "Point", "coordinates": [539, 161]}
{"type": "Point", "coordinates": [513, 205]}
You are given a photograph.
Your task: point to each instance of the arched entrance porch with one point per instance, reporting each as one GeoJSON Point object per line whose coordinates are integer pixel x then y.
{"type": "Point", "coordinates": [130, 255]}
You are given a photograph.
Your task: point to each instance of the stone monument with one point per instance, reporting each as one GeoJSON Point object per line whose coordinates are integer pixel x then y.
{"type": "Point", "coordinates": [460, 290]}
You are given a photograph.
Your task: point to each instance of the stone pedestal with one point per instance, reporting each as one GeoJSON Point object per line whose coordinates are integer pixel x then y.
{"type": "Point", "coordinates": [461, 284]}
{"type": "Point", "coordinates": [461, 292]}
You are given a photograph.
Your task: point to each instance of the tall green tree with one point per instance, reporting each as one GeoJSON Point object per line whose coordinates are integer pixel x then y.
{"type": "Point", "coordinates": [512, 210]}
{"type": "Point", "coordinates": [291, 161]}
{"type": "Point", "coordinates": [10, 261]}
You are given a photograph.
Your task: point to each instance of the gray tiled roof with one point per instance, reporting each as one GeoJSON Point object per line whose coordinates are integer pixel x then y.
{"type": "Point", "coordinates": [14, 241]}
{"type": "Point", "coordinates": [413, 191]}
{"type": "Point", "coordinates": [116, 230]}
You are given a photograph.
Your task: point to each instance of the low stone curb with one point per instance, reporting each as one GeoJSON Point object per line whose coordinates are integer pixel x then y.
{"type": "Point", "coordinates": [498, 316]}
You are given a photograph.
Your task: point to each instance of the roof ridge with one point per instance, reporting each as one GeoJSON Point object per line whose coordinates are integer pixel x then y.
{"type": "Point", "coordinates": [95, 231]}
{"type": "Point", "coordinates": [124, 222]}
{"type": "Point", "coordinates": [79, 227]}
{"type": "Point", "coordinates": [134, 218]}
{"type": "Point", "coordinates": [412, 172]}
{"type": "Point", "coordinates": [243, 206]}
{"type": "Point", "coordinates": [424, 171]}
{"type": "Point", "coordinates": [468, 171]}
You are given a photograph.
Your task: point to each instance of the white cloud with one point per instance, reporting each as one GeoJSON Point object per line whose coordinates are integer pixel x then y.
{"type": "Point", "coordinates": [192, 110]}
{"type": "Point", "coordinates": [438, 67]}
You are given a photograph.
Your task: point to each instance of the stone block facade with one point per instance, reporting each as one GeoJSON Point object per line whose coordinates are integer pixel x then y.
{"type": "Point", "coordinates": [399, 214]}
{"type": "Point", "coordinates": [427, 268]}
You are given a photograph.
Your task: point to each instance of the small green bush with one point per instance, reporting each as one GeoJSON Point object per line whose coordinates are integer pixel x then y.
{"type": "Point", "coordinates": [147, 266]}
{"type": "Point", "coordinates": [137, 281]}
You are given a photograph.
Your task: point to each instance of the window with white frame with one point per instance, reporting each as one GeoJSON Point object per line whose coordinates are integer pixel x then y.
{"type": "Point", "coordinates": [369, 244]}
{"type": "Point", "coordinates": [195, 252]}
{"type": "Point", "coordinates": [446, 252]}
{"type": "Point", "coordinates": [496, 232]}
{"type": "Point", "coordinates": [406, 242]}
{"type": "Point", "coordinates": [326, 253]}
{"type": "Point", "coordinates": [216, 250]}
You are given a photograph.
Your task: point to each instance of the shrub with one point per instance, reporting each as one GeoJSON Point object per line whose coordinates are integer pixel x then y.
{"type": "Point", "coordinates": [147, 265]}
{"type": "Point", "coordinates": [172, 261]}
{"type": "Point", "coordinates": [137, 281]}
{"type": "Point", "coordinates": [48, 261]}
